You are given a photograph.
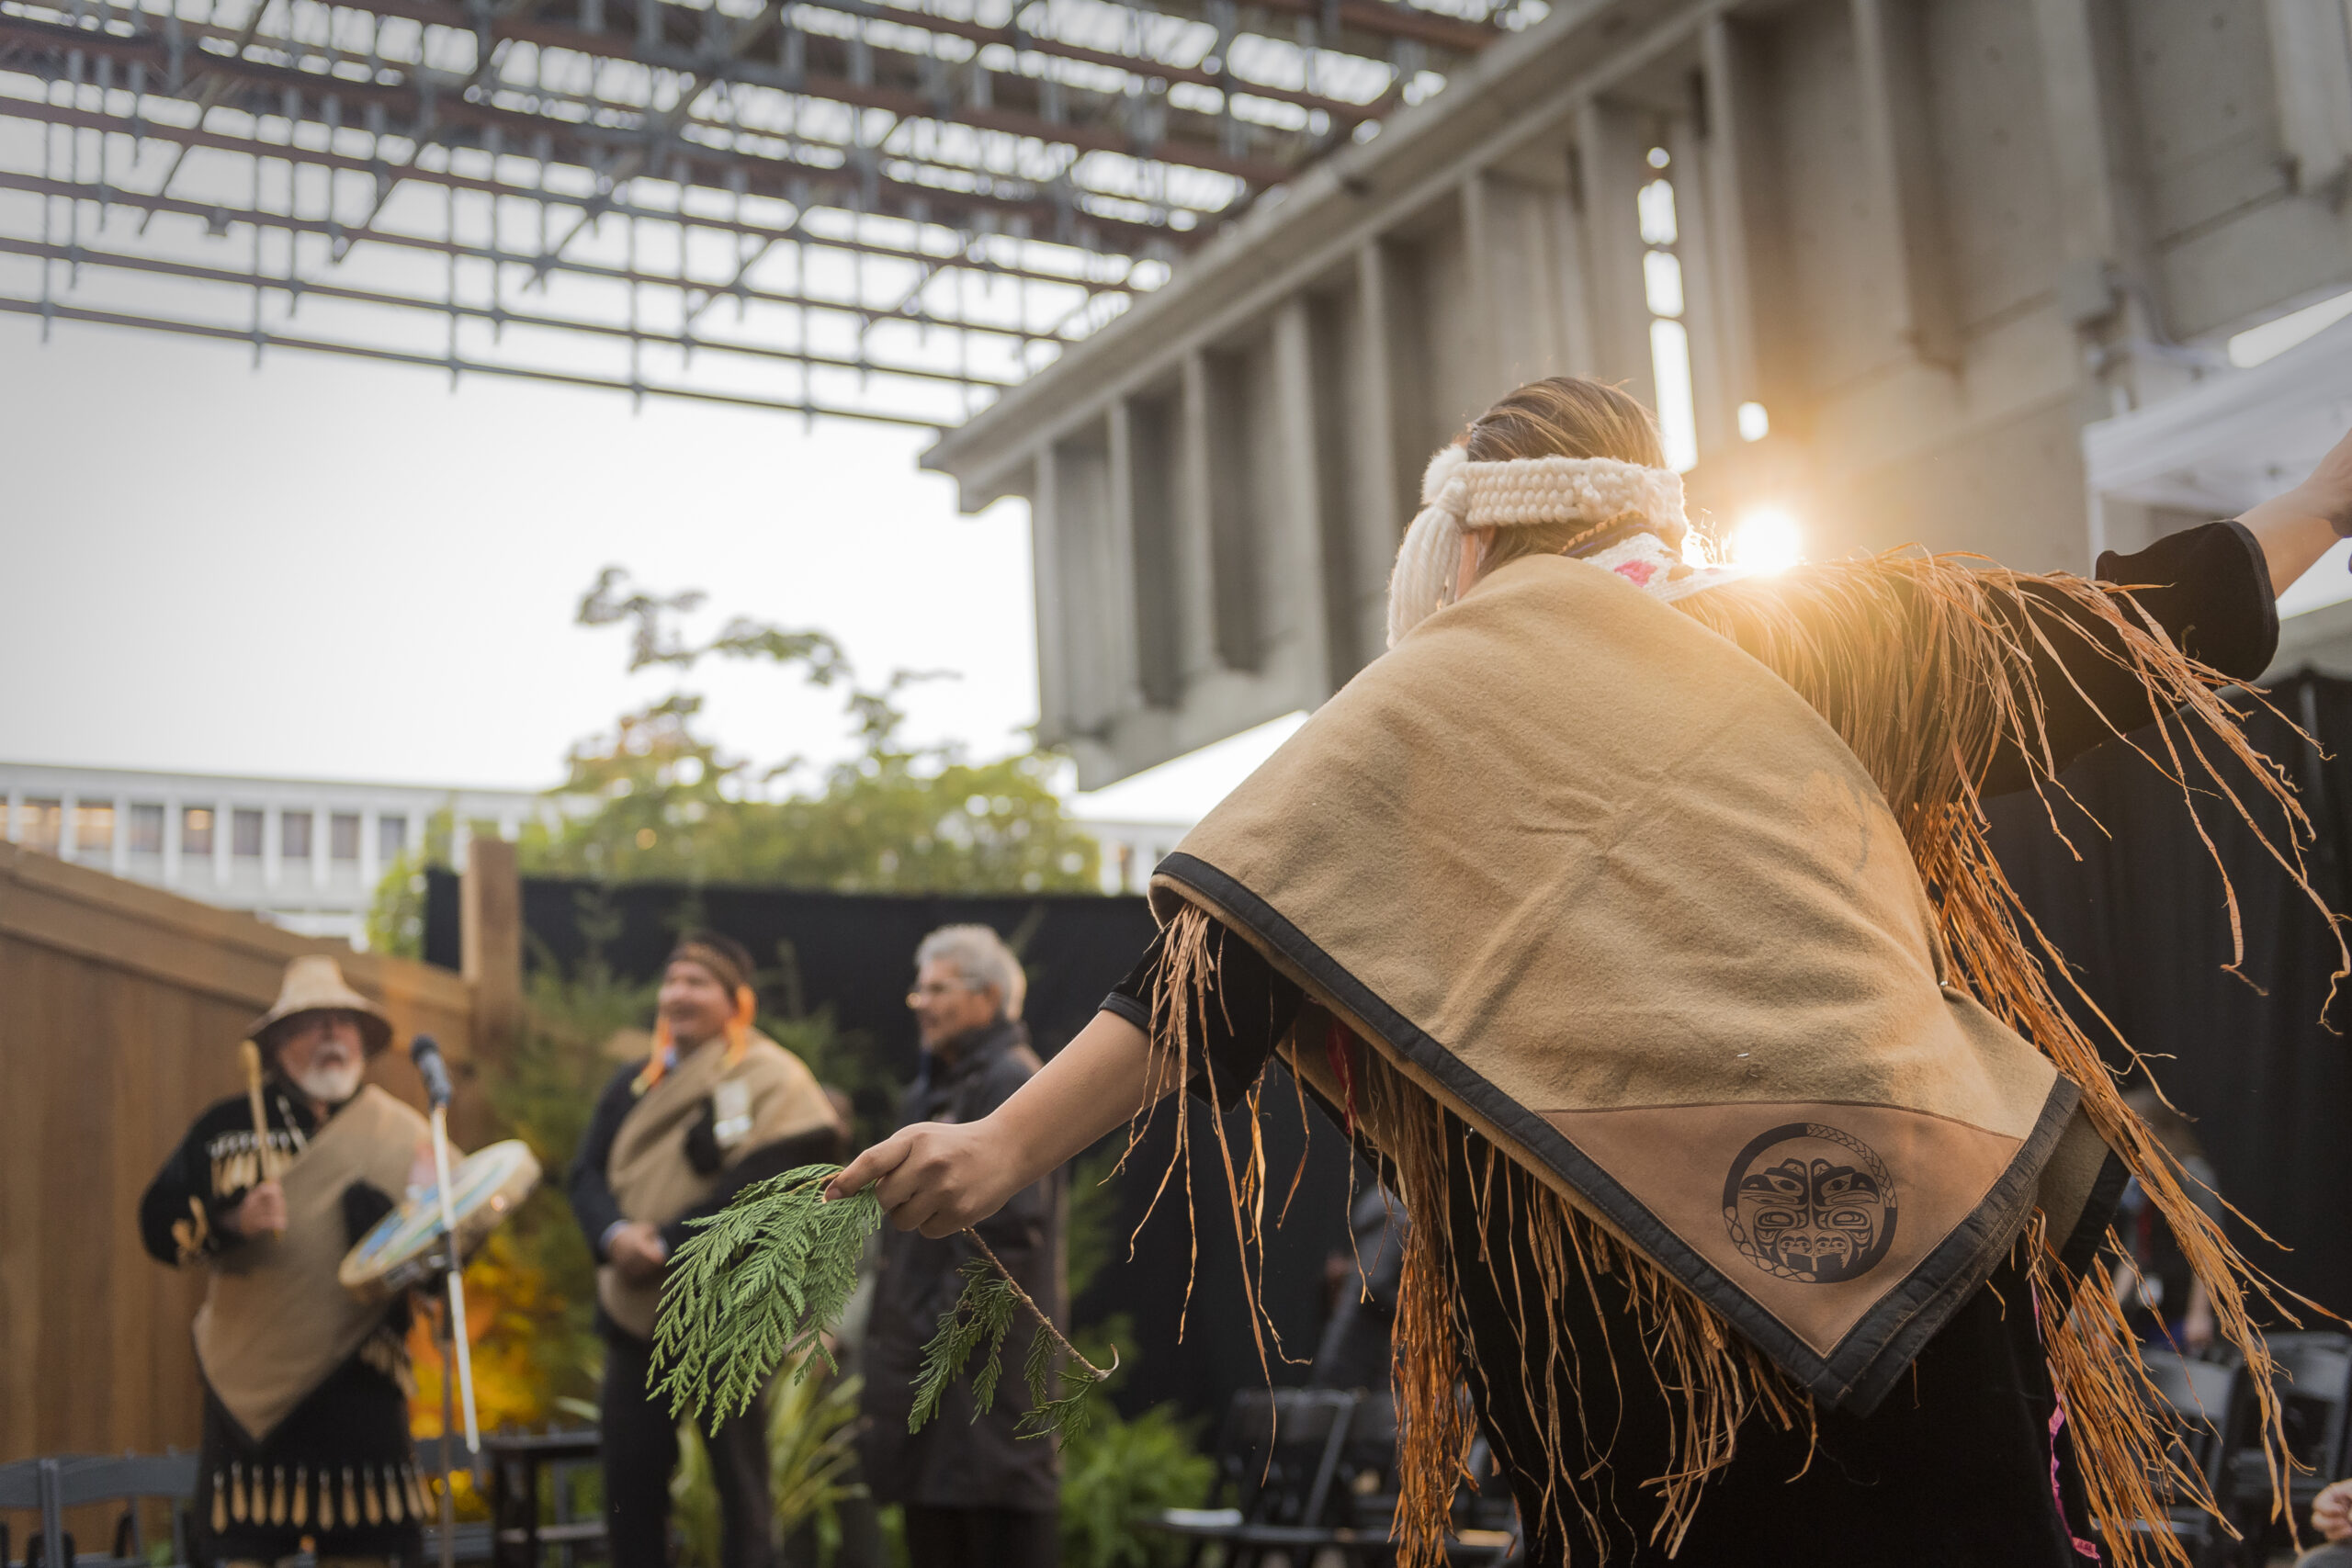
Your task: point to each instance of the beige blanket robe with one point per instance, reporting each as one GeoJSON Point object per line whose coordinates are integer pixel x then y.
{"type": "Point", "coordinates": [1612, 892]}
{"type": "Point", "coordinates": [651, 1174]}
{"type": "Point", "coordinates": [275, 1321]}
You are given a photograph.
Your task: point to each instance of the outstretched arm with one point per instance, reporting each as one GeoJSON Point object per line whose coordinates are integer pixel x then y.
{"type": "Point", "coordinates": [938, 1177]}
{"type": "Point", "coordinates": [2295, 529]}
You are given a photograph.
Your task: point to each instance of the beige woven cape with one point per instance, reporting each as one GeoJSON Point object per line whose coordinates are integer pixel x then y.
{"type": "Point", "coordinates": [275, 1321]}
{"type": "Point", "coordinates": [651, 1174]}
{"type": "Point", "coordinates": [1609, 890]}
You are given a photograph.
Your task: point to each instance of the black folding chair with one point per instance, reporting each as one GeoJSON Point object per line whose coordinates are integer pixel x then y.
{"type": "Point", "coordinates": [25, 1488]}
{"type": "Point", "coordinates": [2200, 1404]}
{"type": "Point", "coordinates": [1278, 1457]}
{"type": "Point", "coordinates": [472, 1540]}
{"type": "Point", "coordinates": [2314, 1379]}
{"type": "Point", "coordinates": [131, 1480]}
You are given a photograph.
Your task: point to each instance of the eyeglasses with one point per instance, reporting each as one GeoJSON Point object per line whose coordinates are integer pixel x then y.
{"type": "Point", "coordinates": [932, 991]}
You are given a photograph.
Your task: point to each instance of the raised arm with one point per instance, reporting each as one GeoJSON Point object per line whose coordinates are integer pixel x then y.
{"type": "Point", "coordinates": [2295, 529]}
{"type": "Point", "coordinates": [938, 1177]}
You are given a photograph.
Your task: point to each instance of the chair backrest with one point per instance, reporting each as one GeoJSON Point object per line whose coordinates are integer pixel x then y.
{"type": "Point", "coordinates": [20, 1486]}
{"type": "Point", "coordinates": [80, 1482]}
{"type": "Point", "coordinates": [2315, 1395]}
{"type": "Point", "coordinates": [2198, 1400]}
{"type": "Point", "coordinates": [1278, 1452]}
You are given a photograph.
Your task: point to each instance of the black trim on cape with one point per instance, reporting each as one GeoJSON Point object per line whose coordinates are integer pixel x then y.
{"type": "Point", "coordinates": [1867, 1363]}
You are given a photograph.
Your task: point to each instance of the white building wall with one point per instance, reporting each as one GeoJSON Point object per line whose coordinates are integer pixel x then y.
{"type": "Point", "coordinates": [318, 894]}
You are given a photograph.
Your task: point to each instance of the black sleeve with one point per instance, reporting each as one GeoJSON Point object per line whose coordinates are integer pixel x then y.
{"type": "Point", "coordinates": [1252, 1008]}
{"type": "Point", "coordinates": [2208, 587]}
{"type": "Point", "coordinates": [818, 1146]}
{"type": "Point", "coordinates": [363, 1204]}
{"type": "Point", "coordinates": [181, 1218]}
{"type": "Point", "coordinates": [590, 1188]}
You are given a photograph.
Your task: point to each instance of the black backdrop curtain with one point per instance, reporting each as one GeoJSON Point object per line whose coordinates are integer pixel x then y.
{"type": "Point", "coordinates": [854, 953]}
{"type": "Point", "coordinates": [2141, 918]}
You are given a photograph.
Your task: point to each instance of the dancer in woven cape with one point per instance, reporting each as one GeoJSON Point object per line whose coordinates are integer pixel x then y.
{"type": "Point", "coordinates": [1640, 917]}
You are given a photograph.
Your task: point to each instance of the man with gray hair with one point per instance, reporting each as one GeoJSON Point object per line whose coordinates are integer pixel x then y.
{"type": "Point", "coordinates": [974, 1494]}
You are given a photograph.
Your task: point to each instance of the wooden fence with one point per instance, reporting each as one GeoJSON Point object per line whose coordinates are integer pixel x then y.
{"type": "Point", "coordinates": [121, 1011]}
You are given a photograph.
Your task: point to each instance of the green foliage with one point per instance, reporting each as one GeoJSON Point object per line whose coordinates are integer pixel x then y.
{"type": "Point", "coordinates": [812, 1453]}
{"type": "Point", "coordinates": [757, 1285]}
{"type": "Point", "coordinates": [1119, 1473]}
{"type": "Point", "coordinates": [982, 1315]}
{"type": "Point", "coordinates": [762, 1280]}
{"type": "Point", "coordinates": [670, 805]}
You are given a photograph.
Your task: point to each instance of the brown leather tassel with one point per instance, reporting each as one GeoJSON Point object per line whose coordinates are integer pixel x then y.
{"type": "Point", "coordinates": [326, 1500]}
{"type": "Point", "coordinates": [375, 1499]}
{"type": "Point", "coordinates": [219, 1503]}
{"type": "Point", "coordinates": [350, 1500]}
{"type": "Point", "coordinates": [237, 1493]}
{"type": "Point", "coordinates": [395, 1509]}
{"type": "Point", "coordinates": [277, 1495]}
{"type": "Point", "coordinates": [301, 1497]}
{"type": "Point", "coordinates": [416, 1507]}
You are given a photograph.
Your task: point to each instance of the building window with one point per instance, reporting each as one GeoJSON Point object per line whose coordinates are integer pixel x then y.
{"type": "Point", "coordinates": [343, 836]}
{"type": "Point", "coordinates": [93, 827]}
{"type": "Point", "coordinates": [244, 833]}
{"type": "Point", "coordinates": [196, 830]}
{"type": "Point", "coordinates": [294, 835]}
{"type": "Point", "coordinates": [1678, 420]}
{"type": "Point", "coordinates": [146, 830]}
{"type": "Point", "coordinates": [391, 838]}
{"type": "Point", "coordinates": [38, 823]}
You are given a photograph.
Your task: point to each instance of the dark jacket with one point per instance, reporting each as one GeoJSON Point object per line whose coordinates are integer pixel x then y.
{"type": "Point", "coordinates": [956, 1461]}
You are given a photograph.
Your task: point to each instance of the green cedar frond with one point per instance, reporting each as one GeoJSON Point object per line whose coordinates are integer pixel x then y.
{"type": "Point", "coordinates": [762, 1281]}
{"type": "Point", "coordinates": [758, 1284]}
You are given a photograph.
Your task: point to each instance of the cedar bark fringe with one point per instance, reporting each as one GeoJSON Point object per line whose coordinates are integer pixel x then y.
{"type": "Point", "coordinates": [1926, 668]}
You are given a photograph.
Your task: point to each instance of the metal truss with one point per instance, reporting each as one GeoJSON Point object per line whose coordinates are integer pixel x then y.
{"type": "Point", "coordinates": [882, 211]}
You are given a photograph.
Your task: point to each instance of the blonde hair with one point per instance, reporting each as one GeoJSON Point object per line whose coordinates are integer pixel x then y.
{"type": "Point", "coordinates": [1561, 416]}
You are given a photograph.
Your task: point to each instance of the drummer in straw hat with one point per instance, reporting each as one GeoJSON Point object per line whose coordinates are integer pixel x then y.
{"type": "Point", "coordinates": [306, 1439]}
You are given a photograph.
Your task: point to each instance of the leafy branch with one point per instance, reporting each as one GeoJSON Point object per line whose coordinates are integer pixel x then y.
{"type": "Point", "coordinates": [763, 1282]}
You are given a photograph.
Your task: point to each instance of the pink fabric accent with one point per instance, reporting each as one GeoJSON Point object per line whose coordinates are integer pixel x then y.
{"type": "Point", "coordinates": [1637, 572]}
{"type": "Point", "coordinates": [2057, 1420]}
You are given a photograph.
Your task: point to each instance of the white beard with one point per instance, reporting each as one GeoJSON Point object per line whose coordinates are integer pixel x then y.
{"type": "Point", "coordinates": [331, 1083]}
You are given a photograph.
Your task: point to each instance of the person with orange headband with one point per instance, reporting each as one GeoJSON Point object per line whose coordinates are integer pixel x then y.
{"type": "Point", "coordinates": [715, 1106]}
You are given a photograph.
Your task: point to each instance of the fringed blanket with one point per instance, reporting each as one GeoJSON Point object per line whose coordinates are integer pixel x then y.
{"type": "Point", "coordinates": [1689, 910]}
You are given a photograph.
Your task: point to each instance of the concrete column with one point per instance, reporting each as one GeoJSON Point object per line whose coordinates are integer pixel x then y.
{"type": "Point", "coordinates": [1726, 183]}
{"type": "Point", "coordinates": [1114, 552]}
{"type": "Point", "coordinates": [173, 827]}
{"type": "Point", "coordinates": [371, 869]}
{"type": "Point", "coordinates": [1481, 355]}
{"type": "Point", "coordinates": [1298, 500]}
{"type": "Point", "coordinates": [2101, 207]}
{"type": "Point", "coordinates": [1384, 503]}
{"type": "Point", "coordinates": [273, 843]}
{"type": "Point", "coordinates": [1195, 555]}
{"type": "Point", "coordinates": [1891, 63]}
{"type": "Point", "coordinates": [1608, 161]}
{"type": "Point", "coordinates": [1053, 618]}
{"type": "Point", "coordinates": [69, 805]}
{"type": "Point", "coordinates": [1711, 402]}
{"type": "Point", "coordinates": [119, 842]}
{"type": "Point", "coordinates": [321, 842]}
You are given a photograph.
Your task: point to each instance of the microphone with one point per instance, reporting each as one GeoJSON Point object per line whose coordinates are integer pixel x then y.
{"type": "Point", "coordinates": [425, 1052]}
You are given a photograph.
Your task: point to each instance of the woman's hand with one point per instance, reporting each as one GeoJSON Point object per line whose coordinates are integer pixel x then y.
{"type": "Point", "coordinates": [936, 1176]}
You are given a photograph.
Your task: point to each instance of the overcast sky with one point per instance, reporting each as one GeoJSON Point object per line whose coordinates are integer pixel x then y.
{"type": "Point", "coordinates": [331, 568]}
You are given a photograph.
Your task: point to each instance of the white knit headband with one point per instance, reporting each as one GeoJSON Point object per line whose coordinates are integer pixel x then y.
{"type": "Point", "coordinates": [1459, 496]}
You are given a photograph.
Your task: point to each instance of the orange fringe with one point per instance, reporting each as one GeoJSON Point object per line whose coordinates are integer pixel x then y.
{"type": "Point", "coordinates": [1924, 666]}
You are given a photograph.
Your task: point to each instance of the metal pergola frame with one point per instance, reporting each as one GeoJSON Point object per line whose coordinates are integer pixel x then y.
{"type": "Point", "coordinates": [907, 209]}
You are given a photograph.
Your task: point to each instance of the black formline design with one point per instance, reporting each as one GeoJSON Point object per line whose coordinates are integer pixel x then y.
{"type": "Point", "coordinates": [1864, 1365]}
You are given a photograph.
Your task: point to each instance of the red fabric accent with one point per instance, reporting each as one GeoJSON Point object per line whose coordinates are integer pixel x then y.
{"type": "Point", "coordinates": [1339, 1051]}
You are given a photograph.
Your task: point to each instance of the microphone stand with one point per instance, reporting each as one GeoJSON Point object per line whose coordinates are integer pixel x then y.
{"type": "Point", "coordinates": [455, 1341]}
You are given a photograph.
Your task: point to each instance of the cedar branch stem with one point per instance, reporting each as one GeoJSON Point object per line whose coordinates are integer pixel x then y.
{"type": "Point", "coordinates": [1097, 1374]}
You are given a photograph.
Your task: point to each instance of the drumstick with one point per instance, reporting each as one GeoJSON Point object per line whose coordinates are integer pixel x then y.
{"type": "Point", "coordinates": [266, 1167]}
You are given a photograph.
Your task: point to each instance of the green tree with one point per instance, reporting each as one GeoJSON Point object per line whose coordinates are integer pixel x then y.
{"type": "Point", "coordinates": [669, 804]}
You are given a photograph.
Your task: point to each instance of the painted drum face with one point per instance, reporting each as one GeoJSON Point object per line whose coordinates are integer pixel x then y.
{"type": "Point", "coordinates": [1808, 1203]}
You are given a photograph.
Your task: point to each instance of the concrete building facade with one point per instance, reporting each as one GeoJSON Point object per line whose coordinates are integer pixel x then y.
{"type": "Point", "coordinates": [304, 855]}
{"type": "Point", "coordinates": [1877, 263]}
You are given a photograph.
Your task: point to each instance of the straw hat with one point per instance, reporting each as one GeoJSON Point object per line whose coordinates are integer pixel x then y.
{"type": "Point", "coordinates": [314, 984]}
